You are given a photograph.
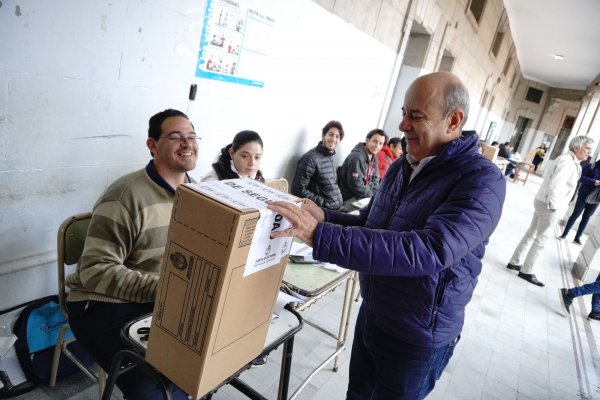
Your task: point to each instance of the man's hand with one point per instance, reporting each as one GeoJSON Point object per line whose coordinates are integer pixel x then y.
{"type": "Point", "coordinates": [302, 220]}
{"type": "Point", "coordinates": [313, 209]}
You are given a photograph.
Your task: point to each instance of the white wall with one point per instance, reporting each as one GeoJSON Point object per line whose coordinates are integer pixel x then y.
{"type": "Point", "coordinates": [79, 80]}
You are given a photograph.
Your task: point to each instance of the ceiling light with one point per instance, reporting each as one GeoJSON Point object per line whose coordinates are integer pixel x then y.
{"type": "Point", "coordinates": [558, 56]}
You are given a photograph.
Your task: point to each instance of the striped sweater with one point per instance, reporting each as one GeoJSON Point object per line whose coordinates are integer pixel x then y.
{"type": "Point", "coordinates": [123, 251]}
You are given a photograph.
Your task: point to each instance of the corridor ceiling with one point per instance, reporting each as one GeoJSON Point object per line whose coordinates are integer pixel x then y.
{"type": "Point", "coordinates": [543, 29]}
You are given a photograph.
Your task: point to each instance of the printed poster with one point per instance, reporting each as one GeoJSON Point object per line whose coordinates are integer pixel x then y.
{"type": "Point", "coordinates": [235, 43]}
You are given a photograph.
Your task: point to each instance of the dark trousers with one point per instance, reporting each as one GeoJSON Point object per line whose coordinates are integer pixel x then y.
{"type": "Point", "coordinates": [382, 367]}
{"type": "Point", "coordinates": [580, 207]}
{"type": "Point", "coordinates": [589, 288]}
{"type": "Point", "coordinates": [97, 326]}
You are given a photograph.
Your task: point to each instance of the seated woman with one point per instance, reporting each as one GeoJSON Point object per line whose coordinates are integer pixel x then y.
{"type": "Point", "coordinates": [239, 159]}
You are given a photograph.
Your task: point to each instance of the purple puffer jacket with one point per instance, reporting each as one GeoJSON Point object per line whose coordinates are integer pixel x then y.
{"type": "Point", "coordinates": [418, 246]}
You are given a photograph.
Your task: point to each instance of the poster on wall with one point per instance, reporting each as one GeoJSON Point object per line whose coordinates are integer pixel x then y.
{"type": "Point", "coordinates": [235, 41]}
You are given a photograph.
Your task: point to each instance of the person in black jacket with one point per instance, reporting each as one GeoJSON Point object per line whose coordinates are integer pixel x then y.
{"type": "Point", "coordinates": [358, 177]}
{"type": "Point", "coordinates": [315, 176]}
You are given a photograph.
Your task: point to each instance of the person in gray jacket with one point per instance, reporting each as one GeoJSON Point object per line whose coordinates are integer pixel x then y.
{"type": "Point", "coordinates": [315, 176]}
{"type": "Point", "coordinates": [358, 177]}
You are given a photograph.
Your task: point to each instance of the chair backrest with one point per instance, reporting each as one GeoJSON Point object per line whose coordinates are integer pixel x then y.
{"type": "Point", "coordinates": [280, 184]}
{"type": "Point", "coordinates": [70, 240]}
{"type": "Point", "coordinates": [490, 152]}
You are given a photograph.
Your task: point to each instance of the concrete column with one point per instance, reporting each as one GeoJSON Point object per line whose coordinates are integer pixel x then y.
{"type": "Point", "coordinates": [589, 115]}
{"type": "Point", "coordinates": [585, 102]}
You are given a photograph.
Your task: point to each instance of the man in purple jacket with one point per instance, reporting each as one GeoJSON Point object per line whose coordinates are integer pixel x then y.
{"type": "Point", "coordinates": [418, 245]}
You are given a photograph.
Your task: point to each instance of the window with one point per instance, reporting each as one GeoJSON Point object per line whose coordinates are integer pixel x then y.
{"type": "Point", "coordinates": [476, 7]}
{"type": "Point", "coordinates": [497, 43]}
{"type": "Point", "coordinates": [534, 95]}
{"type": "Point", "coordinates": [514, 77]}
{"type": "Point", "coordinates": [507, 66]}
{"type": "Point", "coordinates": [447, 62]}
{"type": "Point", "coordinates": [484, 98]}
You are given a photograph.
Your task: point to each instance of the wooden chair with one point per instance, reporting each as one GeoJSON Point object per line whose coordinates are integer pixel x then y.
{"type": "Point", "coordinates": [522, 172]}
{"type": "Point", "coordinates": [70, 240]}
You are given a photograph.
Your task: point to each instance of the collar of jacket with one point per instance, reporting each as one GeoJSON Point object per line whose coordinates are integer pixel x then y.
{"type": "Point", "coordinates": [323, 150]}
{"type": "Point", "coordinates": [464, 145]}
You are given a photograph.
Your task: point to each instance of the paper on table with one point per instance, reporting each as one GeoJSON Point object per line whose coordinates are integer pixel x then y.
{"type": "Point", "coordinates": [282, 300]}
{"type": "Point", "coordinates": [6, 343]}
{"type": "Point", "coordinates": [305, 251]}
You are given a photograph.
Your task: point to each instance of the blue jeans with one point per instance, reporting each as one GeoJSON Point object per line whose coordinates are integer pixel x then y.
{"type": "Point", "coordinates": [383, 367]}
{"type": "Point", "coordinates": [589, 288]}
{"type": "Point", "coordinates": [97, 326]}
{"type": "Point", "coordinates": [580, 207]}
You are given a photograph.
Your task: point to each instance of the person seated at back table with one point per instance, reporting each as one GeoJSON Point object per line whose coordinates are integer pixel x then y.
{"type": "Point", "coordinates": [116, 278]}
{"type": "Point", "coordinates": [315, 176]}
{"type": "Point", "coordinates": [358, 177]}
{"type": "Point", "coordinates": [506, 153]}
{"type": "Point", "coordinates": [388, 154]}
{"type": "Point", "coordinates": [239, 159]}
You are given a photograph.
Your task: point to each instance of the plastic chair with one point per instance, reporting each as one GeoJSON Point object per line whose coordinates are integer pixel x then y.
{"type": "Point", "coordinates": [280, 184]}
{"type": "Point", "coordinates": [522, 172]}
{"type": "Point", "coordinates": [70, 241]}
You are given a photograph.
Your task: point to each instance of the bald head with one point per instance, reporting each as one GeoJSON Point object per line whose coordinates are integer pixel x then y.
{"type": "Point", "coordinates": [454, 94]}
{"type": "Point", "coordinates": [435, 108]}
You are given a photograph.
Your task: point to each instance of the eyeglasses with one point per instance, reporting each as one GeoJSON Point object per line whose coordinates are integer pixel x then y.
{"type": "Point", "coordinates": [176, 137]}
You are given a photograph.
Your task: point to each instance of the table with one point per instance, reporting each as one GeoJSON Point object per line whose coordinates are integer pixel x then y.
{"type": "Point", "coordinates": [281, 331]}
{"type": "Point", "coordinates": [313, 282]}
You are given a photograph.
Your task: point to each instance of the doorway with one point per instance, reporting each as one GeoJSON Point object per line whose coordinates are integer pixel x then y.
{"type": "Point", "coordinates": [563, 136]}
{"type": "Point", "coordinates": [520, 127]}
{"type": "Point", "coordinates": [412, 67]}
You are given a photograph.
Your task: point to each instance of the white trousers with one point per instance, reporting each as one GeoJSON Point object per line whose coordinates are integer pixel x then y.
{"type": "Point", "coordinates": [534, 240]}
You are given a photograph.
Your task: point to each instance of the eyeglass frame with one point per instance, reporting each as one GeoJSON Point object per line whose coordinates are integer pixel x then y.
{"type": "Point", "coordinates": [179, 138]}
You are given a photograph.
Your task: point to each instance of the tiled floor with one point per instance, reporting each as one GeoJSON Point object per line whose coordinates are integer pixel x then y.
{"type": "Point", "coordinates": [515, 343]}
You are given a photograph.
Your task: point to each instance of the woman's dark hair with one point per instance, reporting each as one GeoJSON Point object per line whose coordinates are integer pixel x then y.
{"type": "Point", "coordinates": [395, 141]}
{"type": "Point", "coordinates": [334, 124]}
{"type": "Point", "coordinates": [223, 164]}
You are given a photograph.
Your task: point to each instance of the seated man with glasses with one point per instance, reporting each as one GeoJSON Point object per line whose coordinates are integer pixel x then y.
{"type": "Point", "coordinates": [118, 272]}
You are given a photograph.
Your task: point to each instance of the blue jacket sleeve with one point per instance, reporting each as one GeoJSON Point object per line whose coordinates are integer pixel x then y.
{"type": "Point", "coordinates": [459, 225]}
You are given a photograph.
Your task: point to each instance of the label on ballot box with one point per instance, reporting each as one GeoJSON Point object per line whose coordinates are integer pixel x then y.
{"type": "Point", "coordinates": [249, 195]}
{"type": "Point", "coordinates": [220, 279]}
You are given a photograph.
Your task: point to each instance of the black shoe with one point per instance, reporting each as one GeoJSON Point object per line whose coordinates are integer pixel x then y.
{"type": "Point", "coordinates": [565, 301]}
{"type": "Point", "coordinates": [594, 316]}
{"type": "Point", "coordinates": [577, 242]}
{"type": "Point", "coordinates": [513, 267]}
{"type": "Point", "coordinates": [562, 237]}
{"type": "Point", "coordinates": [531, 278]}
{"type": "Point", "coordinates": [259, 361]}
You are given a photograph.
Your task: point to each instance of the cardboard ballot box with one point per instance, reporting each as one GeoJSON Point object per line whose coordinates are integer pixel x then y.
{"type": "Point", "coordinates": [220, 279]}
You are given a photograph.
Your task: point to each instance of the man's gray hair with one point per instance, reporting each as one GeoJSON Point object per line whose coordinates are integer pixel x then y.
{"type": "Point", "coordinates": [456, 97]}
{"type": "Point", "coordinates": [578, 141]}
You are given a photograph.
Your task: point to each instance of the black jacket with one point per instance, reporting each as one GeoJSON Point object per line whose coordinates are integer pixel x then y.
{"type": "Point", "coordinates": [352, 178]}
{"type": "Point", "coordinates": [315, 178]}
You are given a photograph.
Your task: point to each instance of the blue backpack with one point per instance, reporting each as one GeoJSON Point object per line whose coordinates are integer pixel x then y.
{"type": "Point", "coordinates": [37, 330]}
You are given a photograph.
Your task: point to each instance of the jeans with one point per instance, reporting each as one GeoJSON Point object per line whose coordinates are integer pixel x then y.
{"type": "Point", "coordinates": [383, 367]}
{"type": "Point", "coordinates": [589, 288]}
{"type": "Point", "coordinates": [531, 245]}
{"type": "Point", "coordinates": [97, 326]}
{"type": "Point", "coordinates": [580, 207]}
